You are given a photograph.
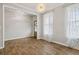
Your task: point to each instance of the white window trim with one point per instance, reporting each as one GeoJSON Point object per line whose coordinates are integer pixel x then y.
{"type": "Point", "coordinates": [66, 20]}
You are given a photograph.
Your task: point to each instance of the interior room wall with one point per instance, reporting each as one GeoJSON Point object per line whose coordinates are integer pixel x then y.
{"type": "Point", "coordinates": [1, 24]}
{"type": "Point", "coordinates": [60, 28]}
{"type": "Point", "coordinates": [34, 17]}
{"type": "Point", "coordinates": [59, 25]}
{"type": "Point", "coordinates": [17, 24]}
{"type": "Point", "coordinates": [39, 27]}
{"type": "Point", "coordinates": [59, 35]}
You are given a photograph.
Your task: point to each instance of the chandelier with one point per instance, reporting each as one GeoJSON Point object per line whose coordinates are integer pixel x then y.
{"type": "Point", "coordinates": [40, 8]}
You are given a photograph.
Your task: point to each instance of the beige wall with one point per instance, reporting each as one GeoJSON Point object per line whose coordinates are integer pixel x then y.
{"type": "Point", "coordinates": [1, 24]}
{"type": "Point", "coordinates": [17, 24]}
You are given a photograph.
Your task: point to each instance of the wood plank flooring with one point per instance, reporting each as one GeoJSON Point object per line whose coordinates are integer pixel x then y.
{"type": "Point", "coordinates": [32, 46]}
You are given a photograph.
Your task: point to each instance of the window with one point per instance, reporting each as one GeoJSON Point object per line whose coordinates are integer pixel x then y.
{"type": "Point", "coordinates": [73, 21]}
{"type": "Point", "coordinates": [48, 25]}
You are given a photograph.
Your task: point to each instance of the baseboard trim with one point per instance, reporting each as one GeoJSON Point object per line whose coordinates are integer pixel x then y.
{"type": "Point", "coordinates": [15, 38]}
{"type": "Point", "coordinates": [66, 45]}
{"type": "Point", "coordinates": [61, 44]}
{"type": "Point", "coordinates": [56, 42]}
{"type": "Point", "coordinates": [1, 47]}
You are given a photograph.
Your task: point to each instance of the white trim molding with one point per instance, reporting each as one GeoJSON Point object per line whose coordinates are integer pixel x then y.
{"type": "Point", "coordinates": [18, 6]}
{"type": "Point", "coordinates": [1, 47]}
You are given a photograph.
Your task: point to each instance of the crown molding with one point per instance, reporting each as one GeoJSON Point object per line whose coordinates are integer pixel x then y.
{"type": "Point", "coordinates": [19, 7]}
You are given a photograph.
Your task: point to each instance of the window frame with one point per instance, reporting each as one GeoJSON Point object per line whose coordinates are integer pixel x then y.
{"type": "Point", "coordinates": [67, 21]}
{"type": "Point", "coordinates": [49, 24]}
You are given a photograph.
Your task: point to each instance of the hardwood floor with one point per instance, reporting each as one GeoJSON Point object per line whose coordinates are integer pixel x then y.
{"type": "Point", "coordinates": [32, 46]}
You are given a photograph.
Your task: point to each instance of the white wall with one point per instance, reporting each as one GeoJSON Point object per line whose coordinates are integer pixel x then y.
{"type": "Point", "coordinates": [17, 24]}
{"type": "Point", "coordinates": [59, 35]}
{"type": "Point", "coordinates": [1, 24]}
{"type": "Point", "coordinates": [39, 27]}
{"type": "Point", "coordinates": [59, 25]}
{"type": "Point", "coordinates": [59, 28]}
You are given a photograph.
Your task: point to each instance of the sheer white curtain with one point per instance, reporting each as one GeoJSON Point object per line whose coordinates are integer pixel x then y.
{"type": "Point", "coordinates": [48, 25]}
{"type": "Point", "coordinates": [72, 21]}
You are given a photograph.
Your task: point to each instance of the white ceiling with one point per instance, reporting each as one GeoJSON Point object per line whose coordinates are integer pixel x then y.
{"type": "Point", "coordinates": [31, 7]}
{"type": "Point", "coordinates": [48, 6]}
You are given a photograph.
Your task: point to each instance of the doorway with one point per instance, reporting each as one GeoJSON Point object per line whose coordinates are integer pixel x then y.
{"type": "Point", "coordinates": [35, 26]}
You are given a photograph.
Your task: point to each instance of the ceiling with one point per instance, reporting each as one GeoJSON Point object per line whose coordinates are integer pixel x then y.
{"type": "Point", "coordinates": [48, 6]}
{"type": "Point", "coordinates": [31, 7]}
